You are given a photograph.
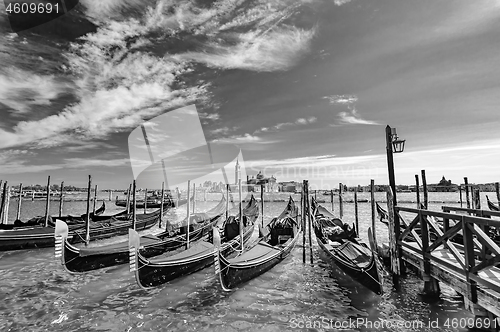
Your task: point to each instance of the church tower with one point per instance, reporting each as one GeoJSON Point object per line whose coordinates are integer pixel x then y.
{"type": "Point", "coordinates": [236, 172]}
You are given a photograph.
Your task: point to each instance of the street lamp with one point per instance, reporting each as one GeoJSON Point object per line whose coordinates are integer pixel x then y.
{"type": "Point", "coordinates": [394, 145]}
{"type": "Point", "coordinates": [398, 145]}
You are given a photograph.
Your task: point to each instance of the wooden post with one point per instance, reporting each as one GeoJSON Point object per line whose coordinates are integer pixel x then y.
{"type": "Point", "coordinates": [161, 205]}
{"type": "Point", "coordinates": [32, 195]}
{"type": "Point", "coordinates": [61, 199]}
{"type": "Point", "coordinates": [356, 216]}
{"type": "Point", "coordinates": [424, 187]}
{"type": "Point", "coordinates": [95, 200]}
{"type": "Point", "coordinates": [145, 200]}
{"type": "Point", "coordinates": [110, 195]}
{"type": "Point", "coordinates": [241, 213]}
{"type": "Point", "coordinates": [393, 243]}
{"type": "Point", "coordinates": [227, 201]}
{"type": "Point", "coordinates": [431, 285]}
{"type": "Point", "coordinates": [128, 197]}
{"type": "Point", "coordinates": [331, 198]}
{"type": "Point", "coordinates": [477, 198]}
{"type": "Point", "coordinates": [469, 260]}
{"type": "Point", "coordinates": [466, 181]}
{"type": "Point", "coordinates": [372, 200]}
{"type": "Point", "coordinates": [87, 217]}
{"type": "Point", "coordinates": [188, 213]}
{"type": "Point", "coordinates": [262, 203]}
{"type": "Point", "coordinates": [18, 212]}
{"type": "Point", "coordinates": [194, 198]}
{"type": "Point", "coordinates": [177, 195]}
{"type": "Point", "coordinates": [134, 205]}
{"type": "Point", "coordinates": [316, 195]}
{"type": "Point", "coordinates": [341, 203]}
{"type": "Point", "coordinates": [497, 190]}
{"type": "Point", "coordinates": [47, 205]}
{"type": "Point", "coordinates": [460, 190]}
{"type": "Point", "coordinates": [308, 209]}
{"type": "Point", "coordinates": [7, 204]}
{"type": "Point", "coordinates": [417, 187]}
{"type": "Point", "coordinates": [4, 198]}
{"type": "Point", "coordinates": [303, 217]}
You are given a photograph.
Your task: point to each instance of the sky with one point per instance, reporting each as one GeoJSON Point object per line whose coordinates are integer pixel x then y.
{"type": "Point", "coordinates": [299, 89]}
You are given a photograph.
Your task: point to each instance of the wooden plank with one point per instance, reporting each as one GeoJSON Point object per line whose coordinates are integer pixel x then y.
{"type": "Point", "coordinates": [452, 216]}
{"type": "Point", "coordinates": [447, 243]}
{"type": "Point", "coordinates": [446, 235]}
{"type": "Point", "coordinates": [413, 232]}
{"type": "Point", "coordinates": [484, 280]}
{"type": "Point", "coordinates": [485, 239]}
{"type": "Point", "coordinates": [486, 263]}
{"type": "Point", "coordinates": [484, 213]}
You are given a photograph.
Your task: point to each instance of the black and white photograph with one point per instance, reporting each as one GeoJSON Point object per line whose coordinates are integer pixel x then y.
{"type": "Point", "coordinates": [249, 165]}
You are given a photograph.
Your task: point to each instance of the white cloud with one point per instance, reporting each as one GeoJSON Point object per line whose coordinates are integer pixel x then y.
{"type": "Point", "coordinates": [342, 99]}
{"type": "Point", "coordinates": [277, 49]}
{"type": "Point", "coordinates": [21, 90]}
{"type": "Point", "coordinates": [353, 117]}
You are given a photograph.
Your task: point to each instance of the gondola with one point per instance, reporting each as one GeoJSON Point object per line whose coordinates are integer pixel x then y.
{"type": "Point", "coordinates": [86, 259]}
{"type": "Point", "coordinates": [491, 205]}
{"type": "Point", "coordinates": [162, 269]}
{"type": "Point", "coordinates": [275, 244]}
{"type": "Point", "coordinates": [40, 221]}
{"type": "Point", "coordinates": [152, 203]}
{"type": "Point", "coordinates": [344, 250]}
{"type": "Point", "coordinates": [40, 237]}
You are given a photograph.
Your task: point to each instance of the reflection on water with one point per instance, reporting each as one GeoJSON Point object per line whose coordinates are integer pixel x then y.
{"type": "Point", "coordinates": [38, 295]}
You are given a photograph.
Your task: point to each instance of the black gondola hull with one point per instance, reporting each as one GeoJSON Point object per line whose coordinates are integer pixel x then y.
{"type": "Point", "coordinates": [231, 276]}
{"type": "Point", "coordinates": [74, 262]}
{"type": "Point", "coordinates": [367, 278]}
{"type": "Point", "coordinates": [151, 275]}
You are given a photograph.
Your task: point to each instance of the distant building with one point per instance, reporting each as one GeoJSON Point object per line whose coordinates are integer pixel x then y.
{"type": "Point", "coordinates": [254, 183]}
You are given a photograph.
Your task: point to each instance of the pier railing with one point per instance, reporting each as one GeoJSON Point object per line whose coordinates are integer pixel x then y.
{"type": "Point", "coordinates": [468, 250]}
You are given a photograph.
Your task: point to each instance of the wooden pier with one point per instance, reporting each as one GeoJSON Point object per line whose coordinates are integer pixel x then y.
{"type": "Point", "coordinates": [455, 247]}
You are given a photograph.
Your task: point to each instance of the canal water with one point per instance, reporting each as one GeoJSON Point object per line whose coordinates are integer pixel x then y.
{"type": "Point", "coordinates": [38, 295]}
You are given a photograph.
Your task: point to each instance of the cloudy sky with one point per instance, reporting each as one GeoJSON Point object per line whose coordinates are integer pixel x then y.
{"type": "Point", "coordinates": [304, 88]}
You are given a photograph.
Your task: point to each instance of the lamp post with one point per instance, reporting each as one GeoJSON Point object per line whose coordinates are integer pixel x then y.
{"type": "Point", "coordinates": [394, 145]}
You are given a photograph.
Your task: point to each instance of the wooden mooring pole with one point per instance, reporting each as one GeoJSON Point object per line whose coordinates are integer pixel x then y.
{"type": "Point", "coordinates": [426, 193]}
{"type": "Point", "coordinates": [308, 211]}
{"type": "Point", "coordinates": [303, 208]}
{"type": "Point", "coordinates": [87, 216]}
{"type": "Point", "coordinates": [466, 182]}
{"type": "Point", "coordinates": [161, 204]}
{"type": "Point", "coordinates": [262, 203]}
{"type": "Point", "coordinates": [240, 210]}
{"type": "Point", "coordinates": [2, 206]}
{"type": "Point", "coordinates": [47, 205]}
{"type": "Point", "coordinates": [372, 201]}
{"type": "Point", "coordinates": [61, 199]}
{"type": "Point", "coordinates": [497, 190]}
{"type": "Point", "coordinates": [20, 199]}
{"type": "Point", "coordinates": [227, 201]}
{"type": "Point", "coordinates": [356, 217]}
{"type": "Point", "coordinates": [188, 213]}
{"type": "Point", "coordinates": [331, 198]}
{"type": "Point", "coordinates": [341, 203]}
{"type": "Point", "coordinates": [7, 204]}
{"type": "Point", "coordinates": [128, 197]}
{"type": "Point", "coordinates": [417, 189]}
{"type": "Point", "coordinates": [134, 205]}
{"type": "Point", "coordinates": [303, 217]}
{"type": "Point", "coordinates": [393, 243]}
{"type": "Point", "coordinates": [95, 200]}
{"type": "Point", "coordinates": [460, 190]}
